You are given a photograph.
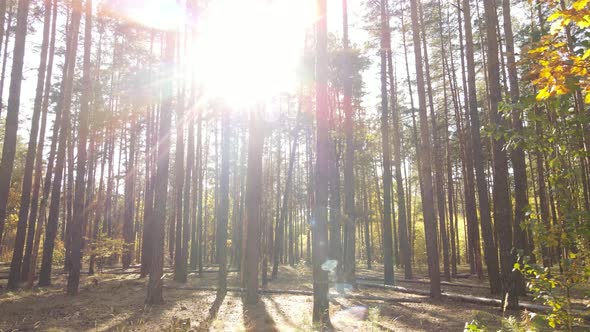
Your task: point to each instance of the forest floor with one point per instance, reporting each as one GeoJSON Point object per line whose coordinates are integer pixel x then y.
{"type": "Point", "coordinates": [114, 301]}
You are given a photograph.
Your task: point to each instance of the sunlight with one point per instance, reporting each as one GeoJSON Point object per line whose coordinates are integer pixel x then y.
{"type": "Point", "coordinates": [248, 51]}
{"type": "Point", "coordinates": [244, 52]}
{"type": "Point", "coordinates": [160, 15]}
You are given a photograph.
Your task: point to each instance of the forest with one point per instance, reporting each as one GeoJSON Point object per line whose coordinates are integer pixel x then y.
{"type": "Point", "coordinates": [288, 165]}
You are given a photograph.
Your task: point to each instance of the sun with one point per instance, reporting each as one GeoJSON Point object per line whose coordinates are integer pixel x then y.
{"type": "Point", "coordinates": [247, 51]}
{"type": "Point", "coordinates": [243, 52]}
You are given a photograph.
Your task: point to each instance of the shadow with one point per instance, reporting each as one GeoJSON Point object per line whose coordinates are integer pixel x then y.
{"type": "Point", "coordinates": [280, 311]}
{"type": "Point", "coordinates": [257, 318]}
{"type": "Point", "coordinates": [206, 323]}
{"type": "Point", "coordinates": [109, 305]}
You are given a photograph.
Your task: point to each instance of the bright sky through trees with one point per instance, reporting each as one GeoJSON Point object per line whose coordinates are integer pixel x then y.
{"type": "Point", "coordinates": [300, 153]}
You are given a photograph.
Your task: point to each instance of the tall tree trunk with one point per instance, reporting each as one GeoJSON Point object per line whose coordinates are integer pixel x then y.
{"type": "Point", "coordinates": [349, 261]}
{"type": "Point", "coordinates": [64, 102]}
{"type": "Point", "coordinates": [279, 229]}
{"type": "Point", "coordinates": [430, 228]}
{"type": "Point", "coordinates": [129, 208]}
{"type": "Point", "coordinates": [254, 190]}
{"type": "Point", "coordinates": [450, 190]}
{"type": "Point", "coordinates": [319, 228]}
{"type": "Point", "coordinates": [32, 248]}
{"type": "Point", "coordinates": [223, 206]}
{"type": "Point", "coordinates": [80, 209]}
{"type": "Point", "coordinates": [10, 130]}
{"type": "Point", "coordinates": [490, 249]}
{"type": "Point", "coordinates": [386, 146]}
{"type": "Point", "coordinates": [25, 207]}
{"type": "Point", "coordinates": [155, 284]}
{"type": "Point", "coordinates": [501, 186]}
{"type": "Point", "coordinates": [404, 243]}
{"type": "Point", "coordinates": [335, 202]}
{"type": "Point", "coordinates": [438, 161]}
{"type": "Point", "coordinates": [178, 188]}
{"type": "Point", "coordinates": [517, 155]}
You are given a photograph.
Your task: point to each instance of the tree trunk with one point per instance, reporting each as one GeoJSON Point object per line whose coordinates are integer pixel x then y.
{"type": "Point", "coordinates": [10, 133]}
{"type": "Point", "coordinates": [223, 206]}
{"type": "Point", "coordinates": [154, 291]}
{"type": "Point", "coordinates": [25, 201]}
{"type": "Point", "coordinates": [490, 249]}
{"type": "Point", "coordinates": [386, 146]}
{"type": "Point", "coordinates": [321, 313]}
{"type": "Point", "coordinates": [80, 213]}
{"type": "Point", "coordinates": [129, 208]}
{"type": "Point", "coordinates": [501, 186]}
{"type": "Point", "coordinates": [430, 228]}
{"type": "Point", "coordinates": [254, 189]}
{"type": "Point", "coordinates": [404, 243]}
{"type": "Point", "coordinates": [178, 187]}
{"type": "Point", "coordinates": [64, 102]}
{"type": "Point", "coordinates": [518, 158]}
{"type": "Point", "coordinates": [349, 261]}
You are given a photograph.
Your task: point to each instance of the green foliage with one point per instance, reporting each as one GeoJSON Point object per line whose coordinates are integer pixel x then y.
{"type": "Point", "coordinates": [555, 290]}
{"type": "Point", "coordinates": [475, 326]}
{"type": "Point", "coordinates": [105, 247]}
{"type": "Point", "coordinates": [529, 322]}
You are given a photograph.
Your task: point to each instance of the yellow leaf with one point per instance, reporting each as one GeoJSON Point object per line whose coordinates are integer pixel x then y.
{"type": "Point", "coordinates": [538, 50]}
{"type": "Point", "coordinates": [587, 98]}
{"type": "Point", "coordinates": [554, 16]}
{"type": "Point", "coordinates": [580, 4]}
{"type": "Point", "coordinates": [561, 89]}
{"type": "Point", "coordinates": [584, 23]}
{"type": "Point", "coordinates": [543, 94]}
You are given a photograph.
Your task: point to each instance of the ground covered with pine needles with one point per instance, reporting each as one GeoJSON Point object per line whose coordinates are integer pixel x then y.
{"type": "Point", "coordinates": [113, 300]}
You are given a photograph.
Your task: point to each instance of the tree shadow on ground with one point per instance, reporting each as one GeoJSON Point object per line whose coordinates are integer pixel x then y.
{"type": "Point", "coordinates": [206, 323]}
{"type": "Point", "coordinates": [280, 311]}
{"type": "Point", "coordinates": [257, 318]}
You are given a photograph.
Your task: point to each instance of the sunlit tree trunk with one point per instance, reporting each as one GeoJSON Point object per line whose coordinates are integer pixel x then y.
{"type": "Point", "coordinates": [386, 146]}
{"type": "Point", "coordinates": [64, 103]}
{"type": "Point", "coordinates": [438, 161]}
{"type": "Point", "coordinates": [254, 189]}
{"type": "Point", "coordinates": [79, 213]}
{"type": "Point", "coordinates": [404, 243]}
{"type": "Point", "coordinates": [319, 226]}
{"type": "Point", "coordinates": [10, 134]}
{"type": "Point", "coordinates": [490, 249]}
{"type": "Point", "coordinates": [430, 228]}
{"type": "Point", "coordinates": [32, 248]}
{"type": "Point", "coordinates": [155, 284]}
{"type": "Point", "coordinates": [25, 206]}
{"type": "Point", "coordinates": [517, 155]}
{"type": "Point", "coordinates": [223, 205]}
{"type": "Point", "coordinates": [501, 186]}
{"type": "Point", "coordinates": [179, 184]}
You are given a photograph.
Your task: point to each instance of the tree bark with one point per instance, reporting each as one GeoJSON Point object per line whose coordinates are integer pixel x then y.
{"type": "Point", "coordinates": [25, 207]}
{"type": "Point", "coordinates": [386, 146]}
{"type": "Point", "coordinates": [80, 213]}
{"type": "Point", "coordinates": [430, 228]}
{"type": "Point", "coordinates": [154, 291]}
{"type": "Point", "coordinates": [252, 222]}
{"type": "Point", "coordinates": [490, 249]}
{"type": "Point", "coordinates": [501, 186]}
{"type": "Point", "coordinates": [11, 128]}
{"type": "Point", "coordinates": [319, 226]}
